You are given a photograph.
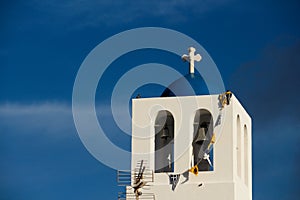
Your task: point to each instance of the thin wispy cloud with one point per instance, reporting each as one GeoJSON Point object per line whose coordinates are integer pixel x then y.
{"type": "Point", "coordinates": [14, 109]}
{"type": "Point", "coordinates": [52, 118]}
{"type": "Point", "coordinates": [41, 118]}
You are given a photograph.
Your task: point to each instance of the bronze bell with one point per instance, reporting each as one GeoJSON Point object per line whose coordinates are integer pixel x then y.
{"type": "Point", "coordinates": [201, 136]}
{"type": "Point", "coordinates": [165, 133]}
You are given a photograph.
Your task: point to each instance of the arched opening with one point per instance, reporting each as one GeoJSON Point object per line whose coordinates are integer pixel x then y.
{"type": "Point", "coordinates": [164, 142]}
{"type": "Point", "coordinates": [202, 140]}
{"type": "Point", "coordinates": [239, 145]}
{"type": "Point", "coordinates": [246, 153]}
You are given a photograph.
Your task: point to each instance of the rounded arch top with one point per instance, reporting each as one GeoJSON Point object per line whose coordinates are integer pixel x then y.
{"type": "Point", "coordinates": [163, 114]}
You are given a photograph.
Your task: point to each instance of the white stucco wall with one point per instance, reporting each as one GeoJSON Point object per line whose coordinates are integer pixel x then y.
{"type": "Point", "coordinates": [223, 182]}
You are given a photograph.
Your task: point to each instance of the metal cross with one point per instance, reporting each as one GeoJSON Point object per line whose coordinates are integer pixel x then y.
{"type": "Point", "coordinates": [191, 58]}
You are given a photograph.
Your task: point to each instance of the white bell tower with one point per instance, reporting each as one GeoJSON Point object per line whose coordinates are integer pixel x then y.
{"type": "Point", "coordinates": [190, 147]}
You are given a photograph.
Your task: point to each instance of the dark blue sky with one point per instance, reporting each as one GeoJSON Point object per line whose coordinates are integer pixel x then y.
{"type": "Point", "coordinates": [255, 44]}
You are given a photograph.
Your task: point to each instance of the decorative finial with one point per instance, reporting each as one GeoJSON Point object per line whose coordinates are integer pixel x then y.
{"type": "Point", "coordinates": [191, 58]}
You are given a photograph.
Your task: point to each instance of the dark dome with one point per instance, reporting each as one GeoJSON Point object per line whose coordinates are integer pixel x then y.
{"type": "Point", "coordinates": [188, 85]}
